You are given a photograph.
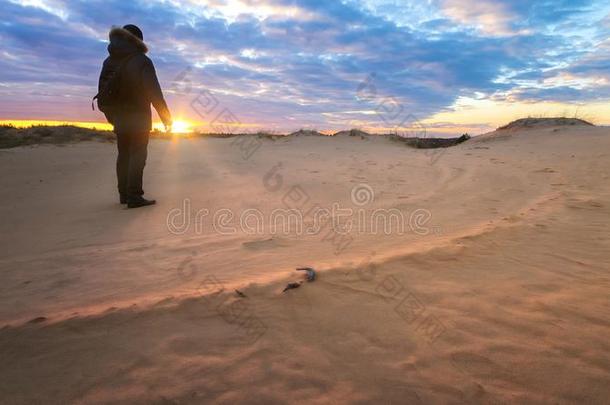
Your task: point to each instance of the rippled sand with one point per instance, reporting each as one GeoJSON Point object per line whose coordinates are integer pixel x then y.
{"type": "Point", "coordinates": [495, 290]}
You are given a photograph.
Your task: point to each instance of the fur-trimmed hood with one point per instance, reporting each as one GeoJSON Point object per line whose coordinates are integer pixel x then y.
{"type": "Point", "coordinates": [123, 42]}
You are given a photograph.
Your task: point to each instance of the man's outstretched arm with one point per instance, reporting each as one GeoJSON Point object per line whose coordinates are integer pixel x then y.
{"type": "Point", "coordinates": [152, 87]}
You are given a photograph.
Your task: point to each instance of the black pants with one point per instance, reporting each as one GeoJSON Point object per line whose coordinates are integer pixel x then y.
{"type": "Point", "coordinates": [133, 149]}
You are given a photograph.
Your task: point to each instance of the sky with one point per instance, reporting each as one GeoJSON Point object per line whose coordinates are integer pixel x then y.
{"type": "Point", "coordinates": [445, 66]}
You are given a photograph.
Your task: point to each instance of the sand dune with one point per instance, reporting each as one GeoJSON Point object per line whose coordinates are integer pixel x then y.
{"type": "Point", "coordinates": [496, 291]}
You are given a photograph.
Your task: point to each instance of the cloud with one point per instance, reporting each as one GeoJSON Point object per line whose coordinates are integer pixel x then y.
{"type": "Point", "coordinates": [491, 17]}
{"type": "Point", "coordinates": [513, 17]}
{"type": "Point", "coordinates": [291, 63]}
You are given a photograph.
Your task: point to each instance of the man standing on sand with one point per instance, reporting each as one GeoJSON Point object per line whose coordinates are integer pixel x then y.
{"type": "Point", "coordinates": [132, 80]}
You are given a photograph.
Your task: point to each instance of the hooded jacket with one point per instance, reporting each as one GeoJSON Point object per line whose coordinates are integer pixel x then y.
{"type": "Point", "coordinates": [139, 86]}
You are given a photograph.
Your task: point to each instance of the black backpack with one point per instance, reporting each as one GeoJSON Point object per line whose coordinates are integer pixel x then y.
{"type": "Point", "coordinates": [108, 98]}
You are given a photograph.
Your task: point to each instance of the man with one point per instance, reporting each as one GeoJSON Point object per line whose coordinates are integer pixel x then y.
{"type": "Point", "coordinates": [133, 75]}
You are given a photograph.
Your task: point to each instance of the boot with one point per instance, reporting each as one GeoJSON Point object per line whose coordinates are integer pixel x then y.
{"type": "Point", "coordinates": [139, 202]}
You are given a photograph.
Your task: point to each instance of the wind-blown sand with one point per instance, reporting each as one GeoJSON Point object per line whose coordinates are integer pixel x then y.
{"type": "Point", "coordinates": [497, 291]}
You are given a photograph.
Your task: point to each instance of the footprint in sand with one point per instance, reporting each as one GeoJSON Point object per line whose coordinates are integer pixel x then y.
{"type": "Point", "coordinates": [512, 219]}
{"type": "Point", "coordinates": [39, 319]}
{"type": "Point", "coordinates": [474, 364]}
{"type": "Point", "coordinates": [584, 204]}
{"type": "Point", "coordinates": [541, 287]}
{"type": "Point", "coordinates": [264, 244]}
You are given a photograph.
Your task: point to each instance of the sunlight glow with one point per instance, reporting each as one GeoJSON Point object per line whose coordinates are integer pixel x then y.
{"type": "Point", "coordinates": [178, 127]}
